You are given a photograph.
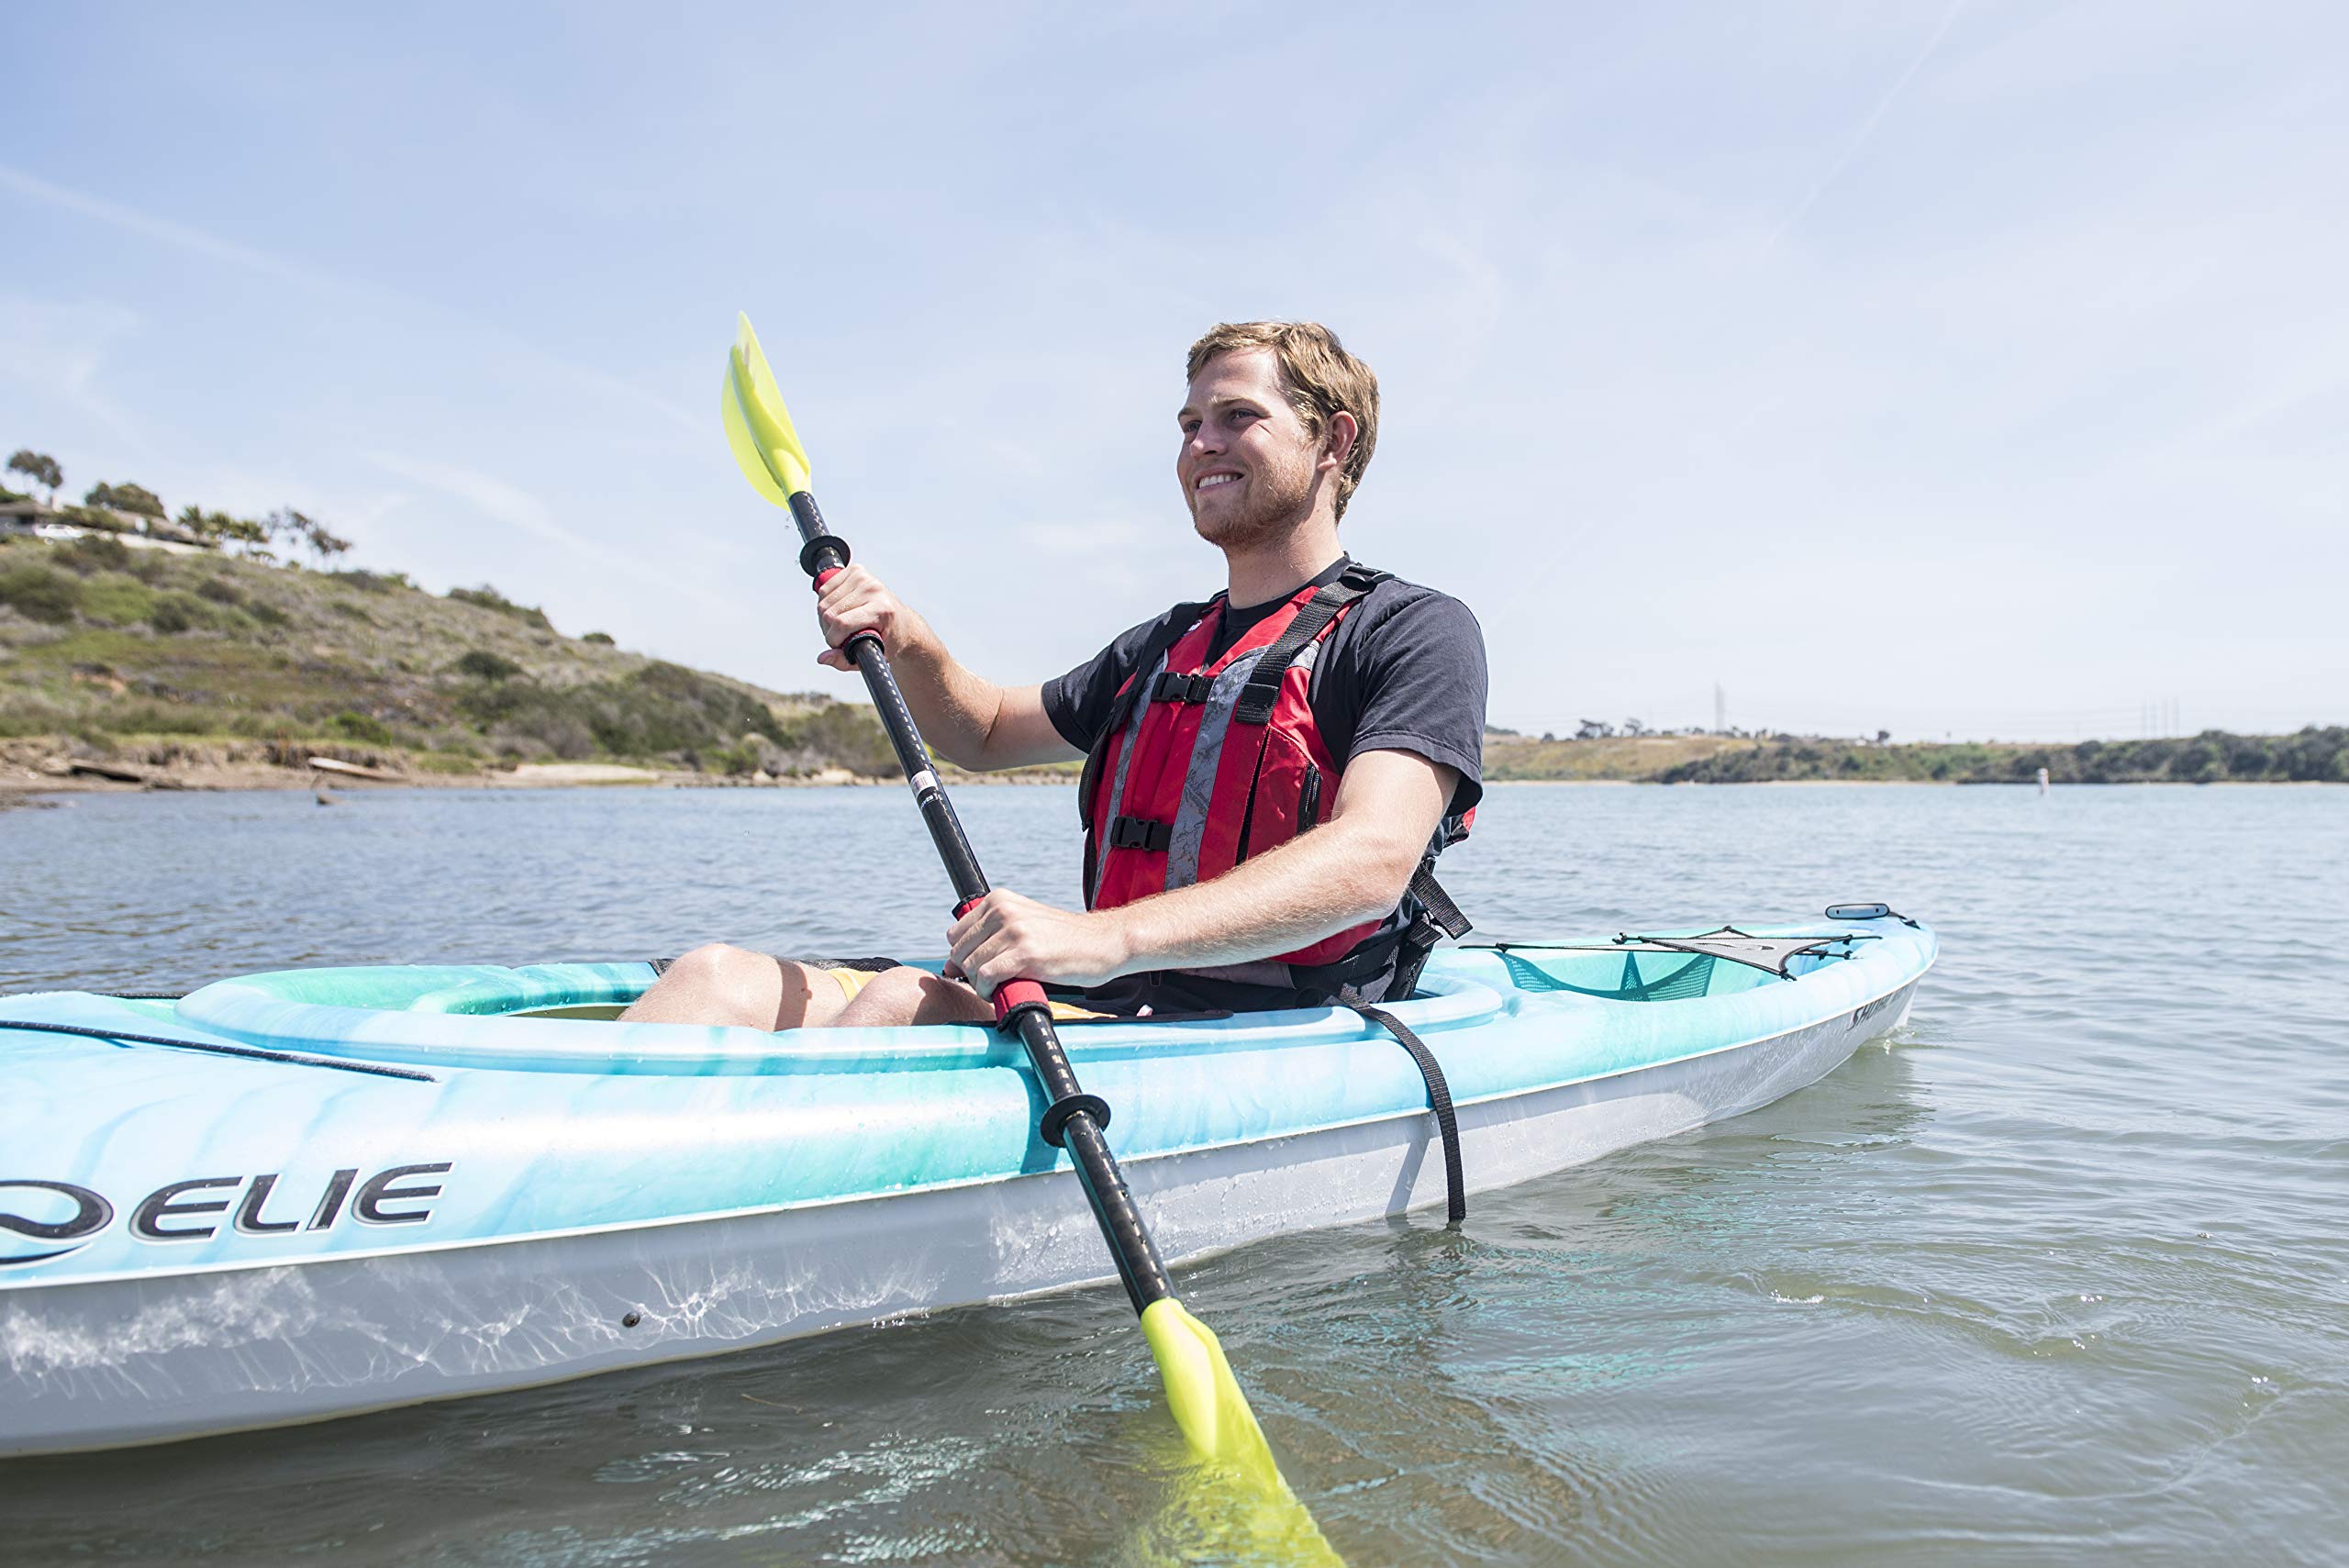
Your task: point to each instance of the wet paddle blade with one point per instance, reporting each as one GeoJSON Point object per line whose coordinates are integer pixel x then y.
{"type": "Point", "coordinates": [1205, 1396]}
{"type": "Point", "coordinates": [1261, 1520]}
{"type": "Point", "coordinates": [758, 426]}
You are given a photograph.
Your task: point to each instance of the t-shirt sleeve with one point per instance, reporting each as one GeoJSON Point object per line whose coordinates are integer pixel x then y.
{"type": "Point", "coordinates": [1078, 703]}
{"type": "Point", "coordinates": [1422, 679]}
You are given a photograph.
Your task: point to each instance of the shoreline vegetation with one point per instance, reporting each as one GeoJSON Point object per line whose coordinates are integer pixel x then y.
{"type": "Point", "coordinates": [126, 664]}
{"type": "Point", "coordinates": [2317, 755]}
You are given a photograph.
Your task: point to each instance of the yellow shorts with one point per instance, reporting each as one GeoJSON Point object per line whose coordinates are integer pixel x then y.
{"type": "Point", "coordinates": [852, 981]}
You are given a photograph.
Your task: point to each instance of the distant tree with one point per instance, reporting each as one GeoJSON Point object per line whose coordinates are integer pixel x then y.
{"type": "Point", "coordinates": [135, 499]}
{"type": "Point", "coordinates": [1634, 728]}
{"type": "Point", "coordinates": [305, 532]}
{"type": "Point", "coordinates": [38, 467]}
{"type": "Point", "coordinates": [1884, 737]}
{"type": "Point", "coordinates": [1595, 729]}
{"type": "Point", "coordinates": [250, 537]}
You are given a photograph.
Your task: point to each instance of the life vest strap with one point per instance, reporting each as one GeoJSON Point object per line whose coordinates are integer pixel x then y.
{"type": "Point", "coordinates": [1140, 833]}
{"type": "Point", "coordinates": [1263, 687]}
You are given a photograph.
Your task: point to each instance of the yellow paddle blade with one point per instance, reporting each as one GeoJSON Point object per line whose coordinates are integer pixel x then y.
{"type": "Point", "coordinates": [1259, 1521]}
{"type": "Point", "coordinates": [1205, 1396]}
{"type": "Point", "coordinates": [758, 426]}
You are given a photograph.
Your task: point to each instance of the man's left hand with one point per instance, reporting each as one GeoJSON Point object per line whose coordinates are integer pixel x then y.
{"type": "Point", "coordinates": [1008, 937]}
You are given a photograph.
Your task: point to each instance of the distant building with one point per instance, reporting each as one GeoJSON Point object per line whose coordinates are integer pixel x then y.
{"type": "Point", "coordinates": [24, 517]}
{"type": "Point", "coordinates": [30, 518]}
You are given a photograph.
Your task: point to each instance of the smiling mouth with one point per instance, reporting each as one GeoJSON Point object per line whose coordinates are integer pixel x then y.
{"type": "Point", "coordinates": [1210, 480]}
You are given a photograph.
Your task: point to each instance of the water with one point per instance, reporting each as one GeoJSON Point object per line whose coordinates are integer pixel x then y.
{"type": "Point", "coordinates": [2060, 1275]}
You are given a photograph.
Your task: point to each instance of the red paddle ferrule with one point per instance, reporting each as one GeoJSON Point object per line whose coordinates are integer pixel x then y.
{"type": "Point", "coordinates": [826, 575]}
{"type": "Point", "coordinates": [1013, 994]}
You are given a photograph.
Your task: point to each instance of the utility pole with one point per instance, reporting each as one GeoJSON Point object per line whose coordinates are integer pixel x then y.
{"type": "Point", "coordinates": [1721, 709]}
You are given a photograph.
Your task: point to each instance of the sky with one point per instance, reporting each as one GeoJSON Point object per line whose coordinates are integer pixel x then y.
{"type": "Point", "coordinates": [1975, 369]}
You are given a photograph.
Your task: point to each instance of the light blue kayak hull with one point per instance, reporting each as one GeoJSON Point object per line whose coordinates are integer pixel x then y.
{"type": "Point", "coordinates": [193, 1243]}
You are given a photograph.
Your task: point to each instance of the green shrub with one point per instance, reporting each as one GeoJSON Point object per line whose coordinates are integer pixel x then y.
{"type": "Point", "coordinates": [39, 593]}
{"type": "Point", "coordinates": [28, 713]}
{"type": "Point", "coordinates": [489, 598]}
{"type": "Point", "coordinates": [221, 591]}
{"type": "Point", "coordinates": [117, 600]}
{"type": "Point", "coordinates": [147, 717]}
{"type": "Point", "coordinates": [176, 612]}
{"type": "Point", "coordinates": [374, 582]}
{"type": "Point", "coordinates": [97, 552]}
{"type": "Point", "coordinates": [350, 611]}
{"type": "Point", "coordinates": [843, 735]}
{"type": "Point", "coordinates": [482, 664]}
{"type": "Point", "coordinates": [604, 638]}
{"type": "Point", "coordinates": [361, 727]}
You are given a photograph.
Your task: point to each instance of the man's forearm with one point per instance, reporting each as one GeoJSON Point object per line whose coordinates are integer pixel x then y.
{"type": "Point", "coordinates": [1311, 887]}
{"type": "Point", "coordinates": [955, 706]}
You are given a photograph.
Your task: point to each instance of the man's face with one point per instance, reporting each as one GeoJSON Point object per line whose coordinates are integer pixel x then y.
{"type": "Point", "coordinates": [1246, 463]}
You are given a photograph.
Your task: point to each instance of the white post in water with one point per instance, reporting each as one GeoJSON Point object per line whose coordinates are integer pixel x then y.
{"type": "Point", "coordinates": [2042, 780]}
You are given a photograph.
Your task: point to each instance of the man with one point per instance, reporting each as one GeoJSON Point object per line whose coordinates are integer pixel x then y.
{"type": "Point", "coordinates": [1270, 773]}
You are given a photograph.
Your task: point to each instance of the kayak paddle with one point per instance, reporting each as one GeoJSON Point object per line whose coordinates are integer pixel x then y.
{"type": "Point", "coordinates": [1200, 1389]}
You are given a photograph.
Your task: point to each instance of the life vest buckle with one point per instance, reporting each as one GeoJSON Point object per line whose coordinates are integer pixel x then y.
{"type": "Point", "coordinates": [1140, 833]}
{"type": "Point", "coordinates": [1174, 686]}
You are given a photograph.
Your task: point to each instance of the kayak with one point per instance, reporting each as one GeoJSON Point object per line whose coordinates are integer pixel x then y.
{"type": "Point", "coordinates": [297, 1196]}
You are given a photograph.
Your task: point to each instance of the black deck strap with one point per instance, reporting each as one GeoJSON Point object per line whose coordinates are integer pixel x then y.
{"type": "Point", "coordinates": [249, 1052]}
{"type": "Point", "coordinates": [660, 966]}
{"type": "Point", "coordinates": [1140, 833]}
{"type": "Point", "coordinates": [1263, 687]}
{"type": "Point", "coordinates": [1055, 1117]}
{"type": "Point", "coordinates": [1697, 945]}
{"type": "Point", "coordinates": [1455, 1191]}
{"type": "Point", "coordinates": [143, 995]}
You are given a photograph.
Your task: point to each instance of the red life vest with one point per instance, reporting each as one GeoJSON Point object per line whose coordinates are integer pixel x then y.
{"type": "Point", "coordinates": [1204, 763]}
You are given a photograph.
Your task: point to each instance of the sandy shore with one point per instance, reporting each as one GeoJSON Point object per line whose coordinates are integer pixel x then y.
{"type": "Point", "coordinates": [47, 766]}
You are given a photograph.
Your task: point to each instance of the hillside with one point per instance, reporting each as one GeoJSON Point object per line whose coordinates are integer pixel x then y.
{"type": "Point", "coordinates": [2313, 755]}
{"type": "Point", "coordinates": [114, 647]}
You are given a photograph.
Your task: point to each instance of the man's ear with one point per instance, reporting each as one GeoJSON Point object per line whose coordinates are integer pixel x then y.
{"type": "Point", "coordinates": [1338, 440]}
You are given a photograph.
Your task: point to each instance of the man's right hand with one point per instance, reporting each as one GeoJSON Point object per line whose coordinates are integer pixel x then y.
{"type": "Point", "coordinates": [854, 601]}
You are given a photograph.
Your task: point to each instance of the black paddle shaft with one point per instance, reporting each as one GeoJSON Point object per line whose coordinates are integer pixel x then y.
{"type": "Point", "coordinates": [1079, 1116]}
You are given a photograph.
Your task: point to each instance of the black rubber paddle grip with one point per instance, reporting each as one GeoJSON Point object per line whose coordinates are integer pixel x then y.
{"type": "Point", "coordinates": [811, 554]}
{"type": "Point", "coordinates": [1054, 1122]}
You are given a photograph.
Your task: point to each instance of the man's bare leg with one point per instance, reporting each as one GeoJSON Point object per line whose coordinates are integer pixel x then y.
{"type": "Point", "coordinates": [731, 985]}
{"type": "Point", "coordinates": [913, 996]}
{"type": "Point", "coordinates": [722, 984]}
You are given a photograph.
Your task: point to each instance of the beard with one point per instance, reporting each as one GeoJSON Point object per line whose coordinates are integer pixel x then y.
{"type": "Point", "coordinates": [1280, 495]}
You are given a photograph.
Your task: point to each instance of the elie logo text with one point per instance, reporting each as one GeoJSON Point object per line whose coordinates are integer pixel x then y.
{"type": "Point", "coordinates": [194, 1210]}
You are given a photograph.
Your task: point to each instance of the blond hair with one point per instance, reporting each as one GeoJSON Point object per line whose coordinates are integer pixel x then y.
{"type": "Point", "coordinates": [1322, 380]}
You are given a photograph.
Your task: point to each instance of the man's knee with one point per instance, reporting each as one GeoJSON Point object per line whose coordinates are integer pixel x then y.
{"type": "Point", "coordinates": [738, 985]}
{"type": "Point", "coordinates": [907, 996]}
{"type": "Point", "coordinates": [717, 967]}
